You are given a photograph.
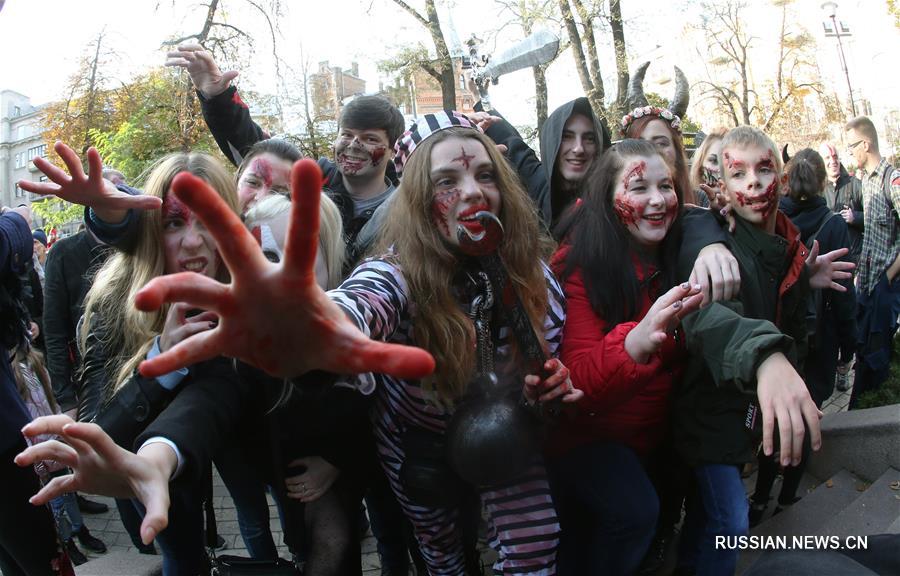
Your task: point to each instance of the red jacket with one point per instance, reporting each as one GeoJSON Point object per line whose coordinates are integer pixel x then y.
{"type": "Point", "coordinates": [624, 402]}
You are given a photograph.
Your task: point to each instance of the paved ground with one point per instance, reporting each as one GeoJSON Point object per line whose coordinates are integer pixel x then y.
{"type": "Point", "coordinates": [109, 528]}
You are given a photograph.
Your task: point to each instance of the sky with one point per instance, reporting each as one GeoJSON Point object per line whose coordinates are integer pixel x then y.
{"type": "Point", "coordinates": [41, 41]}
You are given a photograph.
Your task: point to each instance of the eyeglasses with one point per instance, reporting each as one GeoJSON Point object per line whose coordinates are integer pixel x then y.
{"type": "Point", "coordinates": [854, 145]}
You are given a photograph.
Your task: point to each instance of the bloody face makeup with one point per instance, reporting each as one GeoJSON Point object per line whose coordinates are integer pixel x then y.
{"type": "Point", "coordinates": [577, 148]}
{"type": "Point", "coordinates": [712, 162]}
{"type": "Point", "coordinates": [751, 182]}
{"type": "Point", "coordinates": [362, 153]}
{"type": "Point", "coordinates": [464, 182]}
{"type": "Point", "coordinates": [266, 174]}
{"type": "Point", "coordinates": [645, 200]}
{"type": "Point", "coordinates": [187, 245]}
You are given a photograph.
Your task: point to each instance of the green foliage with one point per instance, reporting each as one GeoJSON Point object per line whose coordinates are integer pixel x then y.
{"type": "Point", "coordinates": [56, 213]}
{"type": "Point", "coordinates": [158, 116]}
{"type": "Point", "coordinates": [889, 392]}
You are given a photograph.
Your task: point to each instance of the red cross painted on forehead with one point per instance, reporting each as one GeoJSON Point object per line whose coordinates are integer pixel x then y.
{"type": "Point", "coordinates": [464, 158]}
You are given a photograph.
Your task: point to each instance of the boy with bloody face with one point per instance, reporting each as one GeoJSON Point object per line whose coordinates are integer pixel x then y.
{"type": "Point", "coordinates": [744, 353]}
{"type": "Point", "coordinates": [359, 177]}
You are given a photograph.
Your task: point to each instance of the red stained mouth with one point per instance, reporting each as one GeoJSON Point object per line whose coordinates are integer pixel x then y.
{"type": "Point", "coordinates": [469, 213]}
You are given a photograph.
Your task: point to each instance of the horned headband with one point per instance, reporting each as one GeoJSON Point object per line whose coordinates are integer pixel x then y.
{"type": "Point", "coordinates": [641, 107]}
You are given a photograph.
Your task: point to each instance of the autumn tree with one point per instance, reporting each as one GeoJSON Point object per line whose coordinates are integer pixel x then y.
{"type": "Point", "coordinates": [228, 42]}
{"type": "Point", "coordinates": [417, 56]}
{"type": "Point", "coordinates": [584, 50]}
{"type": "Point", "coordinates": [153, 124]}
{"type": "Point", "coordinates": [87, 103]}
{"type": "Point", "coordinates": [729, 81]}
{"type": "Point", "coordinates": [580, 19]}
{"type": "Point", "coordinates": [787, 101]}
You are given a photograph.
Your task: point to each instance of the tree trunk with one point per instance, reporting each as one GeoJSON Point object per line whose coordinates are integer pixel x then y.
{"type": "Point", "coordinates": [593, 96]}
{"type": "Point", "coordinates": [448, 75]}
{"type": "Point", "coordinates": [540, 94]}
{"type": "Point", "coordinates": [622, 76]}
{"type": "Point", "coordinates": [92, 89]}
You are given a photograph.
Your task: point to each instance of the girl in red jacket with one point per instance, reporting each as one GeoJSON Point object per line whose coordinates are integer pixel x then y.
{"type": "Point", "coordinates": [620, 343]}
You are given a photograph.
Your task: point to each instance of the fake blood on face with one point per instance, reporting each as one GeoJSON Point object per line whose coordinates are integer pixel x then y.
{"type": "Point", "coordinates": [263, 170]}
{"type": "Point", "coordinates": [464, 158]}
{"type": "Point", "coordinates": [440, 208]}
{"type": "Point", "coordinates": [626, 210]}
{"type": "Point", "coordinates": [377, 155]}
{"type": "Point", "coordinates": [173, 208]}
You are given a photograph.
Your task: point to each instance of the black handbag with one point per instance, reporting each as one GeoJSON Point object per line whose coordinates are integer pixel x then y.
{"type": "Point", "coordinates": [230, 565]}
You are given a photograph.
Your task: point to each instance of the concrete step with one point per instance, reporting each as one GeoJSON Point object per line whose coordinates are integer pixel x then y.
{"type": "Point", "coordinates": [121, 563]}
{"type": "Point", "coordinates": [876, 510]}
{"type": "Point", "coordinates": [806, 516]}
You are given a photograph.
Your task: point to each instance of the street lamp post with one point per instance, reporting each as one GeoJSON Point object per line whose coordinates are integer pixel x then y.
{"type": "Point", "coordinates": [838, 31]}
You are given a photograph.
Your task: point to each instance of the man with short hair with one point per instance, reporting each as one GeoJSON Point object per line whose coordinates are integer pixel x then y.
{"type": "Point", "coordinates": [879, 262]}
{"type": "Point", "coordinates": [360, 176]}
{"type": "Point", "coordinates": [843, 194]}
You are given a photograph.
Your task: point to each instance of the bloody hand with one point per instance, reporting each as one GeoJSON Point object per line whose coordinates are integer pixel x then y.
{"type": "Point", "coordinates": [273, 316]}
{"type": "Point", "coordinates": [556, 384]}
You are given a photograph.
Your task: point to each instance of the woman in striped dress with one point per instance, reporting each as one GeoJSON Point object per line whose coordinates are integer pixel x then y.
{"type": "Point", "coordinates": [418, 293]}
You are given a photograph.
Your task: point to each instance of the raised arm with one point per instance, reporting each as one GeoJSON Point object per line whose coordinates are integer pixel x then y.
{"type": "Point", "coordinates": [273, 316]}
{"type": "Point", "coordinates": [226, 115]}
{"type": "Point", "coordinates": [91, 189]}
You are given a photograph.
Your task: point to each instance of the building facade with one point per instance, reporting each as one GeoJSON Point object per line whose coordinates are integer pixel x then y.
{"type": "Point", "coordinates": [21, 140]}
{"type": "Point", "coordinates": [331, 87]}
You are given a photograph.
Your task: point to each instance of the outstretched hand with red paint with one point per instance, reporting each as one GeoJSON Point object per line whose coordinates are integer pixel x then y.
{"type": "Point", "coordinates": [273, 316]}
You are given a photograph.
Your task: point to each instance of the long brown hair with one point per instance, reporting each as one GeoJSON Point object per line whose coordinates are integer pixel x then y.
{"type": "Point", "coordinates": [680, 169]}
{"type": "Point", "coordinates": [35, 360]}
{"type": "Point", "coordinates": [429, 263]}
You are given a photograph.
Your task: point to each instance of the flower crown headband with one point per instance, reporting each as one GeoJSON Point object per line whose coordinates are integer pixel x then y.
{"type": "Point", "coordinates": [636, 100]}
{"type": "Point", "coordinates": [663, 113]}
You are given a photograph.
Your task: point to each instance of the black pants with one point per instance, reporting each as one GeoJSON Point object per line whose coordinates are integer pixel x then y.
{"type": "Point", "coordinates": [28, 543]}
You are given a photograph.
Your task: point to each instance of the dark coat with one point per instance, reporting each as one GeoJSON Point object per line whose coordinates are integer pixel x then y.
{"type": "Point", "coordinates": [67, 279]}
{"type": "Point", "coordinates": [836, 329]}
{"type": "Point", "coordinates": [715, 412]}
{"type": "Point", "coordinates": [847, 191]}
{"type": "Point", "coordinates": [16, 249]}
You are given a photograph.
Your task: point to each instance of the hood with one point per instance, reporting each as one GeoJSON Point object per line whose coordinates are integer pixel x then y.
{"type": "Point", "coordinates": [551, 131]}
{"type": "Point", "coordinates": [807, 216]}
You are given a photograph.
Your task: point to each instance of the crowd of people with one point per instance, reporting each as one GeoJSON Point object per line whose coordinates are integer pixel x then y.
{"type": "Point", "coordinates": [440, 333]}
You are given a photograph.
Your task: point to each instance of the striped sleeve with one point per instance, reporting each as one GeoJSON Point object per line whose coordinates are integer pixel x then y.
{"type": "Point", "coordinates": [556, 312]}
{"type": "Point", "coordinates": [375, 297]}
